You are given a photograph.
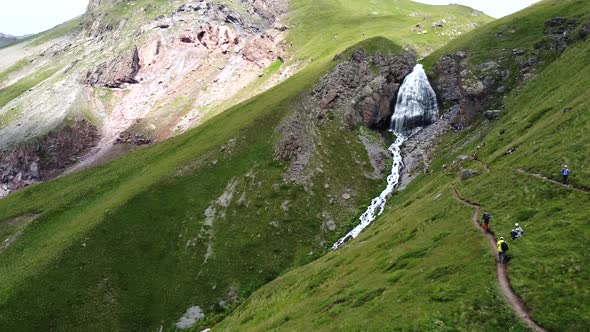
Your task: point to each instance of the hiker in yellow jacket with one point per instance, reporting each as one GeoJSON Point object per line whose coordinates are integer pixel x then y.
{"type": "Point", "coordinates": [502, 249]}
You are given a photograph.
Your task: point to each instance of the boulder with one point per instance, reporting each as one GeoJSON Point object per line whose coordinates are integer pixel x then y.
{"type": "Point", "coordinates": [473, 87]}
{"type": "Point", "coordinates": [113, 74]}
{"type": "Point", "coordinates": [492, 115]}
{"type": "Point", "coordinates": [437, 25]}
{"type": "Point", "coordinates": [467, 173]}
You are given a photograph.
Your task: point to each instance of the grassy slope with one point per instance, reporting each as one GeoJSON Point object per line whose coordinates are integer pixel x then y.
{"type": "Point", "coordinates": [322, 28]}
{"type": "Point", "coordinates": [519, 30]}
{"type": "Point", "coordinates": [421, 267]}
{"type": "Point", "coordinates": [548, 272]}
{"type": "Point", "coordinates": [12, 91]}
{"type": "Point", "coordinates": [58, 31]}
{"type": "Point", "coordinates": [127, 238]}
{"type": "Point", "coordinates": [405, 274]}
{"type": "Point", "coordinates": [117, 235]}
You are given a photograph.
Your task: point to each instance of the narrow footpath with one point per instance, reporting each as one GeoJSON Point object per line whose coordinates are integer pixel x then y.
{"type": "Point", "coordinates": [546, 179]}
{"type": "Point", "coordinates": [517, 304]}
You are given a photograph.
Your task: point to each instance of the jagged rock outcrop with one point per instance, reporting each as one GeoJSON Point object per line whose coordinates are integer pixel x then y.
{"type": "Point", "coordinates": [263, 50]}
{"type": "Point", "coordinates": [45, 158]}
{"type": "Point", "coordinates": [373, 95]}
{"type": "Point", "coordinates": [93, 4]}
{"type": "Point", "coordinates": [218, 36]}
{"type": "Point", "coordinates": [268, 10]}
{"type": "Point", "coordinates": [492, 115]}
{"type": "Point", "coordinates": [115, 73]}
{"type": "Point", "coordinates": [458, 82]}
{"type": "Point", "coordinates": [476, 86]}
{"type": "Point", "coordinates": [559, 34]}
{"type": "Point", "coordinates": [128, 137]}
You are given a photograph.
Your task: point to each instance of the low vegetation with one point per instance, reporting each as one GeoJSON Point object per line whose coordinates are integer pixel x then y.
{"type": "Point", "coordinates": [154, 205]}
{"type": "Point", "coordinates": [432, 268]}
{"type": "Point", "coordinates": [12, 91]}
{"type": "Point", "coordinates": [206, 219]}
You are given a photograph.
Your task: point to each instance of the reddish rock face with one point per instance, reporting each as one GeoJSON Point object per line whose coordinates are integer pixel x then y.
{"type": "Point", "coordinates": [217, 36]}
{"type": "Point", "coordinates": [376, 109]}
{"type": "Point", "coordinates": [261, 50]}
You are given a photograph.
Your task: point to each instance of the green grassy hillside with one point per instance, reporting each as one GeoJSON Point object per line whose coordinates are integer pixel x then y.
{"type": "Point", "coordinates": [519, 30]}
{"type": "Point", "coordinates": [316, 31]}
{"type": "Point", "coordinates": [423, 266]}
{"type": "Point", "coordinates": [320, 28]}
{"type": "Point", "coordinates": [133, 242]}
{"type": "Point", "coordinates": [201, 219]}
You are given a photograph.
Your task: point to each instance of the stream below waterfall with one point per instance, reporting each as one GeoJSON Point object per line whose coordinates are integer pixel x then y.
{"type": "Point", "coordinates": [416, 107]}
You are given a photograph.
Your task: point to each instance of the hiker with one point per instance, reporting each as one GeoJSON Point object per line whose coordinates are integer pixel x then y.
{"type": "Point", "coordinates": [502, 249]}
{"type": "Point", "coordinates": [486, 221]}
{"type": "Point", "coordinates": [513, 234]}
{"type": "Point", "coordinates": [519, 230]}
{"type": "Point", "coordinates": [565, 172]}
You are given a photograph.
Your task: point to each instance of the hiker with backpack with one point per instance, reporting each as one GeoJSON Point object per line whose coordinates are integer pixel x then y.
{"type": "Point", "coordinates": [519, 231]}
{"type": "Point", "coordinates": [502, 249]}
{"type": "Point", "coordinates": [486, 221]}
{"type": "Point", "coordinates": [565, 172]}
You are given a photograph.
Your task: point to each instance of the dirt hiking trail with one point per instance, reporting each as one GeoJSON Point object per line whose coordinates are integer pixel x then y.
{"type": "Point", "coordinates": [511, 297]}
{"type": "Point", "coordinates": [546, 179]}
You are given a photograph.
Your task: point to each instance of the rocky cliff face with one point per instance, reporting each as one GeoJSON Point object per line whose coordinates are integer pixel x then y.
{"type": "Point", "coordinates": [115, 73]}
{"type": "Point", "coordinates": [197, 56]}
{"type": "Point", "coordinates": [474, 86]}
{"type": "Point", "coordinates": [361, 90]}
{"type": "Point", "coordinates": [367, 86]}
{"type": "Point", "coordinates": [43, 159]}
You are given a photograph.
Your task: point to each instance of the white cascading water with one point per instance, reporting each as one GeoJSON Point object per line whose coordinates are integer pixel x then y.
{"type": "Point", "coordinates": [416, 107]}
{"type": "Point", "coordinates": [416, 103]}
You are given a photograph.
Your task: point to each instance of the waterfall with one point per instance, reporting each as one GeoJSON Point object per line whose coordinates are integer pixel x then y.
{"type": "Point", "coordinates": [416, 107]}
{"type": "Point", "coordinates": [416, 103]}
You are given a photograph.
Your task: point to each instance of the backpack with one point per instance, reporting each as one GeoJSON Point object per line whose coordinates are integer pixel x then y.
{"type": "Point", "coordinates": [504, 247]}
